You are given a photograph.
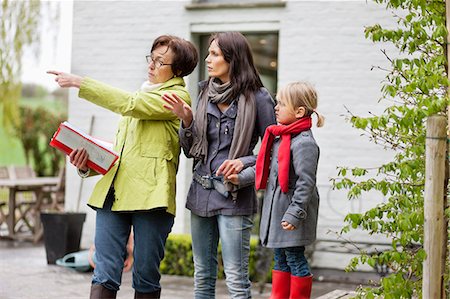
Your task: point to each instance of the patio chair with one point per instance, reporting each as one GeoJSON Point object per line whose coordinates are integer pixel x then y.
{"type": "Point", "coordinates": [3, 214]}
{"type": "Point", "coordinates": [21, 172]}
{"type": "Point", "coordinates": [52, 200]}
{"type": "Point", "coordinates": [54, 196]}
{"type": "Point", "coordinates": [4, 174]}
{"type": "Point", "coordinates": [28, 194]}
{"type": "Point", "coordinates": [25, 200]}
{"type": "Point", "coordinates": [4, 197]}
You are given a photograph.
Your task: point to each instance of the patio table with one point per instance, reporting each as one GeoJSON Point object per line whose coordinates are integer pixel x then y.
{"type": "Point", "coordinates": [35, 185]}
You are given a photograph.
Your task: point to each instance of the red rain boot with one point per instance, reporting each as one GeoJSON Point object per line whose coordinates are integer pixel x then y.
{"type": "Point", "coordinates": [281, 284]}
{"type": "Point", "coordinates": [301, 287]}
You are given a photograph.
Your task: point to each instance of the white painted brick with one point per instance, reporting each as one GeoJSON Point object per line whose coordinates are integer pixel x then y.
{"type": "Point", "coordinates": [319, 41]}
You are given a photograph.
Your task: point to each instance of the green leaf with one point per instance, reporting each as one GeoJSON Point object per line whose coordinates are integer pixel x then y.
{"type": "Point", "coordinates": [414, 88]}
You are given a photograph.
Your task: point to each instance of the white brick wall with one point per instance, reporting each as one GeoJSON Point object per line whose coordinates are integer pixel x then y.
{"type": "Point", "coordinates": [319, 41]}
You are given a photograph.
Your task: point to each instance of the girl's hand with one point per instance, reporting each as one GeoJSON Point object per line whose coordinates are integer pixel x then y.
{"type": "Point", "coordinates": [230, 167]}
{"type": "Point", "coordinates": [287, 225]}
{"type": "Point", "coordinates": [66, 80]}
{"type": "Point", "coordinates": [179, 107]}
{"type": "Point", "coordinates": [79, 157]}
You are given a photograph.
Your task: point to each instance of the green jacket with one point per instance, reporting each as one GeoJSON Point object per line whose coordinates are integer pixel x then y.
{"type": "Point", "coordinates": [147, 140]}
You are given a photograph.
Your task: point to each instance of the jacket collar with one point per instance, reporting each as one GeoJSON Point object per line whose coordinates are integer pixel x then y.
{"type": "Point", "coordinates": [172, 82]}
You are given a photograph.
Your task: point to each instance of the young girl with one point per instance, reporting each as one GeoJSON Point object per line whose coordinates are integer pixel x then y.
{"type": "Point", "coordinates": [291, 201]}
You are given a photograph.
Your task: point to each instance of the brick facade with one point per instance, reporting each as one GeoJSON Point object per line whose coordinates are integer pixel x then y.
{"type": "Point", "coordinates": [319, 41]}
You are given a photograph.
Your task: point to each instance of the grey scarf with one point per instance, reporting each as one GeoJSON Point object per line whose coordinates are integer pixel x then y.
{"type": "Point", "coordinates": [243, 130]}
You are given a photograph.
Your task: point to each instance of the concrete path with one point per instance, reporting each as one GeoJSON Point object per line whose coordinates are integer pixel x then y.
{"type": "Point", "coordinates": [24, 274]}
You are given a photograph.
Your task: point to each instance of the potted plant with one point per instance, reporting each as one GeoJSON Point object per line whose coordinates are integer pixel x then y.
{"type": "Point", "coordinates": [62, 230]}
{"type": "Point", "coordinates": [62, 233]}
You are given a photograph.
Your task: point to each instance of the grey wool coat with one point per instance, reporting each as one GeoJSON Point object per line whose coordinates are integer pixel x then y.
{"type": "Point", "coordinates": [300, 205]}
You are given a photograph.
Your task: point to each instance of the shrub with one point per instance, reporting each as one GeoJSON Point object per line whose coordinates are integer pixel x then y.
{"type": "Point", "coordinates": [32, 90]}
{"type": "Point", "coordinates": [178, 258]}
{"type": "Point", "coordinates": [35, 130]}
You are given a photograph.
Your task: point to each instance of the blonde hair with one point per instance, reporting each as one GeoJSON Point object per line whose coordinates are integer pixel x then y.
{"type": "Point", "coordinates": [301, 94]}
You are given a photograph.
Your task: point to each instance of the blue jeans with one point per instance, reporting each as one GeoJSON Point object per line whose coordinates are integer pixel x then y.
{"type": "Point", "coordinates": [292, 260]}
{"type": "Point", "coordinates": [234, 234]}
{"type": "Point", "coordinates": [151, 229]}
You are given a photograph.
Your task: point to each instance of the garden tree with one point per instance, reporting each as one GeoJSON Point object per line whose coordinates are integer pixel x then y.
{"type": "Point", "coordinates": [33, 90]}
{"type": "Point", "coordinates": [36, 128]}
{"type": "Point", "coordinates": [416, 87]}
{"type": "Point", "coordinates": [19, 28]}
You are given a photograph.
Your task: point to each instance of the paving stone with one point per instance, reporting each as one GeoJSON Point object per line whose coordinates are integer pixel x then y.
{"type": "Point", "coordinates": [24, 274]}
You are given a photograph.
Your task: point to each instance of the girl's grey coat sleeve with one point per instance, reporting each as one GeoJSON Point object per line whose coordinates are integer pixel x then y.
{"type": "Point", "coordinates": [304, 157]}
{"type": "Point", "coordinates": [247, 177]}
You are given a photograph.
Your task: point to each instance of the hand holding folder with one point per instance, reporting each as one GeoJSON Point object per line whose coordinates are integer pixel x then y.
{"type": "Point", "coordinates": [101, 155]}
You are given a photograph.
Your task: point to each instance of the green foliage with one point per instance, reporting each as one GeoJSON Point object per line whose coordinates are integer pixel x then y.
{"type": "Point", "coordinates": [11, 150]}
{"type": "Point", "coordinates": [11, 146]}
{"type": "Point", "coordinates": [35, 129]}
{"type": "Point", "coordinates": [416, 84]}
{"type": "Point", "coordinates": [178, 258]}
{"type": "Point", "coordinates": [32, 90]}
{"type": "Point", "coordinates": [18, 28]}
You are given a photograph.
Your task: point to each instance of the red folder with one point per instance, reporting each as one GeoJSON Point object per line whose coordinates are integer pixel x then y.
{"type": "Point", "coordinates": [101, 156]}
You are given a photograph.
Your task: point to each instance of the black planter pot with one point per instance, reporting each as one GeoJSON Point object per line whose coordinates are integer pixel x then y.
{"type": "Point", "coordinates": [62, 233]}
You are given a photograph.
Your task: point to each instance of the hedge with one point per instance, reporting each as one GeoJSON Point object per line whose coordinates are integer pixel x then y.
{"type": "Point", "coordinates": [178, 259]}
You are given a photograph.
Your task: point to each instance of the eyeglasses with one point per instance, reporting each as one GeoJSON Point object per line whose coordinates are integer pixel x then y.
{"type": "Point", "coordinates": [156, 63]}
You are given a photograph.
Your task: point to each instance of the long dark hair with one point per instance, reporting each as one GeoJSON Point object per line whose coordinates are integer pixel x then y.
{"type": "Point", "coordinates": [236, 51]}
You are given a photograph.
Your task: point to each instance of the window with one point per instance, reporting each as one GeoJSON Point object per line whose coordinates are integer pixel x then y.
{"type": "Point", "coordinates": [233, 1]}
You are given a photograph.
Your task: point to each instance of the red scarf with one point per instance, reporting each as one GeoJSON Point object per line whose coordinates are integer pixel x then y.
{"type": "Point", "coordinates": [284, 152]}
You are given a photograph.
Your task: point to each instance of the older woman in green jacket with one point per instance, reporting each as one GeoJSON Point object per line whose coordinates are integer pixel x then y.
{"type": "Point", "coordinates": [139, 190]}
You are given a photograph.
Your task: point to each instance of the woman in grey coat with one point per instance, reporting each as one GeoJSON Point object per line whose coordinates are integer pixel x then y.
{"type": "Point", "coordinates": [233, 112]}
{"type": "Point", "coordinates": [291, 201]}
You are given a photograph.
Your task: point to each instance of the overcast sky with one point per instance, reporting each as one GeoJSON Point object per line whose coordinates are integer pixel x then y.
{"type": "Point", "coordinates": [55, 51]}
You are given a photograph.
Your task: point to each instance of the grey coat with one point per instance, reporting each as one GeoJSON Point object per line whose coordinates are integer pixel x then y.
{"type": "Point", "coordinates": [209, 202]}
{"type": "Point", "coordinates": [300, 205]}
